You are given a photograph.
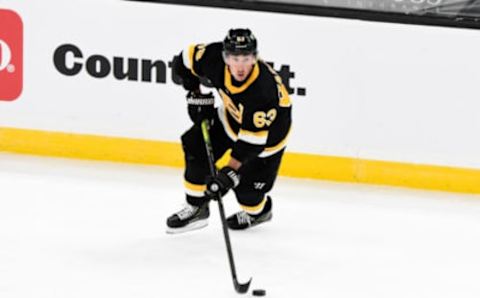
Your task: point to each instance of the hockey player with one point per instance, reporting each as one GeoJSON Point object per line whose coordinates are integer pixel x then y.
{"type": "Point", "coordinates": [254, 122]}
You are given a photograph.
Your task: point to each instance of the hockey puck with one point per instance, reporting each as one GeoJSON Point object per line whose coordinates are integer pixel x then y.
{"type": "Point", "coordinates": [259, 292]}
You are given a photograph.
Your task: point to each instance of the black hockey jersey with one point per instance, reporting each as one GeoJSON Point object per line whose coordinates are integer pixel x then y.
{"type": "Point", "coordinates": [256, 113]}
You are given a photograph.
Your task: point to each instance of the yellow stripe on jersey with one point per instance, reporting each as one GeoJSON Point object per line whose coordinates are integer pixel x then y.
{"type": "Point", "coordinates": [191, 52]}
{"type": "Point", "coordinates": [284, 101]}
{"type": "Point", "coordinates": [222, 114]}
{"type": "Point", "coordinates": [274, 149]}
{"type": "Point", "coordinates": [251, 79]}
{"type": "Point", "coordinates": [255, 209]}
{"type": "Point", "coordinates": [253, 137]}
{"type": "Point", "coordinates": [284, 98]}
{"type": "Point", "coordinates": [262, 133]}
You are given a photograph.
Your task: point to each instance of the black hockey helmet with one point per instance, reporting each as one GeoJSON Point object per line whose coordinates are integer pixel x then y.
{"type": "Point", "coordinates": [240, 42]}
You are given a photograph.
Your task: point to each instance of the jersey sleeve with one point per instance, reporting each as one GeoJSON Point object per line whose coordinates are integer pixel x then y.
{"type": "Point", "coordinates": [199, 57]}
{"type": "Point", "coordinates": [195, 62]}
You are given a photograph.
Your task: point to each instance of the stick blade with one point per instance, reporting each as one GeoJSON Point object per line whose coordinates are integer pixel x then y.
{"type": "Point", "coordinates": [242, 288]}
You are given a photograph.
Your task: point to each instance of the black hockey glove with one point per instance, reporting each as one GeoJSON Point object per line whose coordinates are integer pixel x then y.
{"type": "Point", "coordinates": [226, 179]}
{"type": "Point", "coordinates": [200, 106]}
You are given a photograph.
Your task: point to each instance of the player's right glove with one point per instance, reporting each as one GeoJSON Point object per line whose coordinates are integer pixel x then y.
{"type": "Point", "coordinates": [200, 106]}
{"type": "Point", "coordinates": [226, 179]}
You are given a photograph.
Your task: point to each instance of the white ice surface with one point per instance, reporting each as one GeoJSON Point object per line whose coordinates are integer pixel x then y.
{"type": "Point", "coordinates": [80, 229]}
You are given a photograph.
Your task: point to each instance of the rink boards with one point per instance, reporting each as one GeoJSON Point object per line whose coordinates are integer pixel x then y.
{"type": "Point", "coordinates": [373, 102]}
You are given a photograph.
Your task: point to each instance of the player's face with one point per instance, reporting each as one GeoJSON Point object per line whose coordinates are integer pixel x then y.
{"type": "Point", "coordinates": [240, 66]}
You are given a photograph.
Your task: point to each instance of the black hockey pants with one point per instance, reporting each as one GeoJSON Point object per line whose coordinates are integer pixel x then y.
{"type": "Point", "coordinates": [257, 175]}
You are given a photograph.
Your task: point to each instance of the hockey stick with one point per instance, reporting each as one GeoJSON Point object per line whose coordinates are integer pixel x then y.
{"type": "Point", "coordinates": [240, 288]}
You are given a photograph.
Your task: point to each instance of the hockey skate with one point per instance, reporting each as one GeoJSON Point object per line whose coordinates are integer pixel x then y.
{"type": "Point", "coordinates": [188, 219]}
{"type": "Point", "coordinates": [242, 220]}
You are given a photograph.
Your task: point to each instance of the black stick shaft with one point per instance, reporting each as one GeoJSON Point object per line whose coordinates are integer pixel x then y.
{"type": "Point", "coordinates": [241, 288]}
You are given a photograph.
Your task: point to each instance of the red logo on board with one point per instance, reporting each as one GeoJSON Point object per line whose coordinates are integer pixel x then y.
{"type": "Point", "coordinates": [11, 55]}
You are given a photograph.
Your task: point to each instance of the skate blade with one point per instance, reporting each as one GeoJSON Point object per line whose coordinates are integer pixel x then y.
{"type": "Point", "coordinates": [190, 227]}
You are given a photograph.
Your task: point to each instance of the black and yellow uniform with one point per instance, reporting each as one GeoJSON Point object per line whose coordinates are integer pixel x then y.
{"type": "Point", "coordinates": [254, 122]}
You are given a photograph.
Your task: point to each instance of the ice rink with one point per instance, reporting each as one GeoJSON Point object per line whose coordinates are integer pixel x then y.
{"type": "Point", "coordinates": [82, 229]}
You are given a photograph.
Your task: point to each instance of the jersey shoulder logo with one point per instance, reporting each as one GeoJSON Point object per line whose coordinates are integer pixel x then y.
{"type": "Point", "coordinates": [200, 51]}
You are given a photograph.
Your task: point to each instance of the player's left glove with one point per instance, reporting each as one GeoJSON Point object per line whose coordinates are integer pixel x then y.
{"type": "Point", "coordinates": [200, 106]}
{"type": "Point", "coordinates": [226, 179]}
